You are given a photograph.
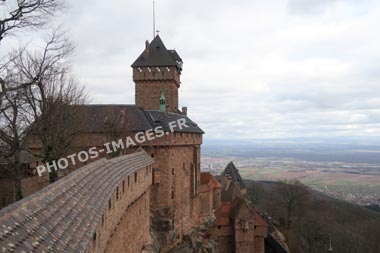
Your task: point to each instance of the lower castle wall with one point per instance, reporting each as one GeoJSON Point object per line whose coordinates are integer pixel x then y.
{"type": "Point", "coordinates": [125, 223]}
{"type": "Point", "coordinates": [133, 231]}
{"type": "Point", "coordinates": [259, 244]}
{"type": "Point", "coordinates": [7, 192]}
{"type": "Point", "coordinates": [226, 244]}
{"type": "Point", "coordinates": [31, 185]}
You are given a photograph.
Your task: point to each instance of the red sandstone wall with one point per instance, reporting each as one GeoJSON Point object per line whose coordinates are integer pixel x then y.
{"type": "Point", "coordinates": [179, 169]}
{"type": "Point", "coordinates": [226, 244]}
{"type": "Point", "coordinates": [205, 201]}
{"type": "Point", "coordinates": [148, 95]}
{"type": "Point", "coordinates": [259, 244]}
{"type": "Point", "coordinates": [31, 185]}
{"type": "Point", "coordinates": [7, 193]}
{"type": "Point", "coordinates": [133, 231]}
{"type": "Point", "coordinates": [125, 224]}
{"type": "Point", "coordinates": [244, 239]}
{"type": "Point", "coordinates": [150, 82]}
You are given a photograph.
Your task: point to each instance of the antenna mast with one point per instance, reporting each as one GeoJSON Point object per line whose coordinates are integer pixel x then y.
{"type": "Point", "coordinates": [154, 19]}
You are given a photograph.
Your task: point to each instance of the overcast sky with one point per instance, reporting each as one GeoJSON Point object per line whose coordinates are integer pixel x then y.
{"type": "Point", "coordinates": [252, 69]}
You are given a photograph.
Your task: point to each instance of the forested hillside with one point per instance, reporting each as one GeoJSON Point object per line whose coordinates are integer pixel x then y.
{"type": "Point", "coordinates": [309, 219]}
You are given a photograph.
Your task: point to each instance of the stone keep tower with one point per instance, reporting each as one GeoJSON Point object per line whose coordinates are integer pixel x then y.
{"type": "Point", "coordinates": [157, 71]}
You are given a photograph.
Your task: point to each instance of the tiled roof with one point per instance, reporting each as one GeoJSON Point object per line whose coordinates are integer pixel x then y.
{"type": "Point", "coordinates": [63, 216]}
{"type": "Point", "coordinates": [259, 221]}
{"type": "Point", "coordinates": [208, 183]}
{"type": "Point", "coordinates": [230, 191]}
{"type": "Point", "coordinates": [103, 118]}
{"type": "Point", "coordinates": [158, 118]}
{"type": "Point", "coordinates": [158, 56]}
{"type": "Point", "coordinates": [223, 214]}
{"type": "Point", "coordinates": [234, 173]}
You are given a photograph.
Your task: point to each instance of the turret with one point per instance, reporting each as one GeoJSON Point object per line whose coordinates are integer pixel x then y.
{"type": "Point", "coordinates": [157, 70]}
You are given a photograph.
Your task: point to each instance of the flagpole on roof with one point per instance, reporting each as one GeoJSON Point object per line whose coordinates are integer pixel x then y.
{"type": "Point", "coordinates": [154, 19]}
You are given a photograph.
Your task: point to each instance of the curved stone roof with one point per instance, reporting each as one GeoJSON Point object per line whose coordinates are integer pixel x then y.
{"type": "Point", "coordinates": [63, 216]}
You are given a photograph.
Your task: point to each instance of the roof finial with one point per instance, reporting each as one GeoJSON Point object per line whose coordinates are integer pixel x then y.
{"type": "Point", "coordinates": [154, 19]}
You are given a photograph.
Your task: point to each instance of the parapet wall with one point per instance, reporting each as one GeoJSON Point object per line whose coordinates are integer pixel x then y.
{"type": "Point", "coordinates": [125, 223]}
{"type": "Point", "coordinates": [82, 211]}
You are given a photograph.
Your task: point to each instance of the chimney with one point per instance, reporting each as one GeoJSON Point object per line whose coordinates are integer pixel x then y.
{"type": "Point", "coordinates": [184, 110]}
{"type": "Point", "coordinates": [146, 51]}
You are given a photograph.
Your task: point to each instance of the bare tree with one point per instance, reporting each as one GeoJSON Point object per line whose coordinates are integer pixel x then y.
{"type": "Point", "coordinates": [13, 129]}
{"type": "Point", "coordinates": [115, 127]}
{"type": "Point", "coordinates": [21, 14]}
{"type": "Point", "coordinates": [16, 16]}
{"type": "Point", "coordinates": [27, 79]}
{"type": "Point", "coordinates": [59, 117]}
{"type": "Point", "coordinates": [47, 108]}
{"type": "Point", "coordinates": [54, 110]}
{"type": "Point", "coordinates": [290, 196]}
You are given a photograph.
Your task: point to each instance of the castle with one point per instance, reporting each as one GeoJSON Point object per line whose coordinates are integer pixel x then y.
{"type": "Point", "coordinates": [147, 199]}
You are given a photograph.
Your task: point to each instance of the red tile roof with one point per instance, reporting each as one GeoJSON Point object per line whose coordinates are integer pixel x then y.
{"type": "Point", "coordinates": [210, 180]}
{"type": "Point", "coordinates": [259, 221]}
{"type": "Point", "coordinates": [223, 214]}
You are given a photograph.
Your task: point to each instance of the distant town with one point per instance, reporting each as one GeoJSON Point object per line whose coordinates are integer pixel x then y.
{"type": "Point", "coordinates": [358, 183]}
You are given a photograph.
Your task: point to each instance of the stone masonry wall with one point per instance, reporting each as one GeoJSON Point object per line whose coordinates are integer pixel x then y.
{"type": "Point", "coordinates": [179, 175]}
{"type": "Point", "coordinates": [150, 82]}
{"type": "Point", "coordinates": [125, 223]}
{"type": "Point", "coordinates": [133, 231]}
{"type": "Point", "coordinates": [150, 99]}
{"type": "Point", "coordinates": [7, 192]}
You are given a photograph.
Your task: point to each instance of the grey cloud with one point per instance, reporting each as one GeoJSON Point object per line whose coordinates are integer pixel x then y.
{"type": "Point", "coordinates": [320, 6]}
{"type": "Point", "coordinates": [252, 69]}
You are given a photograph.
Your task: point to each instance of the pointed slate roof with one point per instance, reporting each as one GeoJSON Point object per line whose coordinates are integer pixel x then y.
{"type": "Point", "coordinates": [234, 173]}
{"type": "Point", "coordinates": [157, 56]}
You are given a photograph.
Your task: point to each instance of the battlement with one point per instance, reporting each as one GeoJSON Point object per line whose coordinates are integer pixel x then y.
{"type": "Point", "coordinates": [145, 74]}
